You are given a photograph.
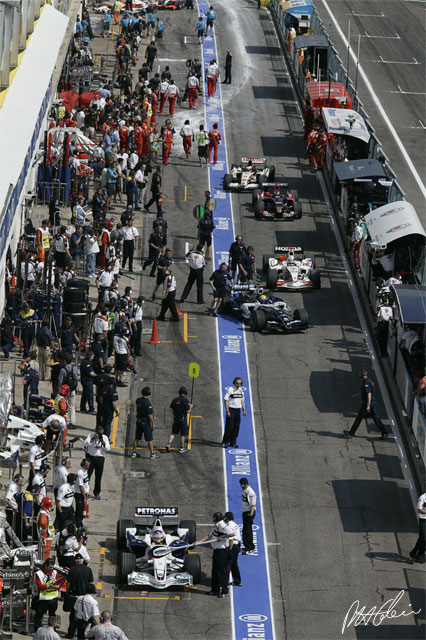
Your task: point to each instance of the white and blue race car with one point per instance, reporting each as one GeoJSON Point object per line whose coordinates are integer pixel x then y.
{"type": "Point", "coordinates": [157, 555]}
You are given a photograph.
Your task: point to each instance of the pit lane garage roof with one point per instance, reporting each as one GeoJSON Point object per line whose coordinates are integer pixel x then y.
{"type": "Point", "coordinates": [393, 221]}
{"type": "Point", "coordinates": [302, 42]}
{"type": "Point", "coordinates": [297, 7]}
{"type": "Point", "coordinates": [334, 90]}
{"type": "Point", "coordinates": [369, 169]}
{"type": "Point", "coordinates": [345, 122]}
{"type": "Point", "coordinates": [411, 300]}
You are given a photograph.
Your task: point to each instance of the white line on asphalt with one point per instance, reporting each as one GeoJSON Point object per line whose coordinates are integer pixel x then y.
{"type": "Point", "coordinates": [395, 37]}
{"type": "Point", "coordinates": [378, 103]}
{"type": "Point", "coordinates": [381, 61]}
{"type": "Point", "coordinates": [409, 93]}
{"type": "Point", "coordinates": [367, 15]}
{"type": "Point", "coordinates": [370, 347]}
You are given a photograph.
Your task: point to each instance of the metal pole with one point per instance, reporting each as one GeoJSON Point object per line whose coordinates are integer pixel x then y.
{"type": "Point", "coordinates": [357, 63]}
{"type": "Point", "coordinates": [349, 52]}
{"type": "Point", "coordinates": [45, 165]}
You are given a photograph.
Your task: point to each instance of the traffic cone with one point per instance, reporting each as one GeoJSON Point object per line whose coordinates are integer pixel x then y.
{"type": "Point", "coordinates": [154, 334]}
{"type": "Point", "coordinates": [178, 312]}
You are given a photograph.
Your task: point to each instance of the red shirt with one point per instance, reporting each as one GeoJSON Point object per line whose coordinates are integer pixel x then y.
{"type": "Point", "coordinates": [214, 136]}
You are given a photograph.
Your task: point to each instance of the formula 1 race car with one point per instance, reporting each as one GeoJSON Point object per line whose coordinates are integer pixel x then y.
{"type": "Point", "coordinates": [291, 270]}
{"type": "Point", "coordinates": [169, 5]}
{"type": "Point", "coordinates": [276, 202]}
{"type": "Point", "coordinates": [157, 555]}
{"type": "Point", "coordinates": [250, 174]}
{"type": "Point", "coordinates": [262, 312]}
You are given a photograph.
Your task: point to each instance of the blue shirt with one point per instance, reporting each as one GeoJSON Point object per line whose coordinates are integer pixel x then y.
{"type": "Point", "coordinates": [107, 143]}
{"type": "Point", "coordinates": [151, 17]}
{"type": "Point", "coordinates": [200, 24]}
{"type": "Point", "coordinates": [125, 21]}
{"type": "Point", "coordinates": [75, 249]}
{"type": "Point", "coordinates": [107, 17]}
{"type": "Point", "coordinates": [111, 176]}
{"type": "Point", "coordinates": [368, 386]}
{"type": "Point", "coordinates": [211, 14]}
{"type": "Point", "coordinates": [160, 25]}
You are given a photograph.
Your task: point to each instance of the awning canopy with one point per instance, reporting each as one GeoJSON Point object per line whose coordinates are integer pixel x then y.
{"type": "Point", "coordinates": [411, 300]}
{"type": "Point", "coordinates": [393, 221]}
{"type": "Point", "coordinates": [345, 122]}
{"type": "Point", "coordinates": [324, 89]}
{"type": "Point", "coordinates": [369, 169]}
{"type": "Point", "coordinates": [319, 42]}
{"type": "Point", "coordinates": [297, 7]}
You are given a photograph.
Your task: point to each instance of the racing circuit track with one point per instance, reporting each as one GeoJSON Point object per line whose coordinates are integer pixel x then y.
{"type": "Point", "coordinates": [337, 513]}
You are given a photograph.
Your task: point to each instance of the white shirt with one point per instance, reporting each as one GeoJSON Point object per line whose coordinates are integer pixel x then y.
{"type": "Point", "coordinates": [212, 71]}
{"type": "Point", "coordinates": [172, 90]}
{"type": "Point", "coordinates": [392, 280]}
{"type": "Point", "coordinates": [97, 449]}
{"type": "Point", "coordinates": [11, 490]}
{"type": "Point", "coordinates": [120, 345]}
{"type": "Point", "coordinates": [70, 546]}
{"type": "Point", "coordinates": [60, 476]}
{"type": "Point", "coordinates": [52, 418]}
{"type": "Point", "coordinates": [421, 504]}
{"type": "Point", "coordinates": [234, 397]}
{"type": "Point", "coordinates": [35, 456]}
{"type": "Point", "coordinates": [124, 159]}
{"type": "Point", "coordinates": [186, 131]}
{"type": "Point", "coordinates": [231, 528]}
{"type": "Point", "coordinates": [130, 233]}
{"type": "Point", "coordinates": [91, 245]}
{"type": "Point", "coordinates": [215, 533]}
{"type": "Point", "coordinates": [196, 260]}
{"type": "Point", "coordinates": [83, 479]}
{"type": "Point", "coordinates": [65, 495]}
{"type": "Point", "coordinates": [86, 607]}
{"type": "Point", "coordinates": [105, 278]}
{"type": "Point", "coordinates": [100, 323]}
{"type": "Point", "coordinates": [248, 499]}
{"type": "Point", "coordinates": [39, 481]}
{"type": "Point", "coordinates": [105, 631]}
{"type": "Point", "coordinates": [164, 86]}
{"type": "Point", "coordinates": [358, 233]}
{"type": "Point", "coordinates": [133, 160]}
{"type": "Point", "coordinates": [31, 272]}
{"type": "Point", "coordinates": [384, 313]}
{"type": "Point", "coordinates": [140, 177]}
{"type": "Point", "coordinates": [138, 312]}
{"type": "Point", "coordinates": [193, 82]}
{"type": "Point", "coordinates": [409, 338]}
{"type": "Point", "coordinates": [169, 283]}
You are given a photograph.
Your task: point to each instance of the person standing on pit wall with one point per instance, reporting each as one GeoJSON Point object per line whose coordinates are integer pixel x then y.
{"type": "Point", "coordinates": [214, 141]}
{"type": "Point", "coordinates": [95, 445]}
{"type": "Point", "coordinates": [220, 545]}
{"type": "Point", "coordinates": [368, 406]}
{"type": "Point", "coordinates": [144, 424]}
{"type": "Point", "coordinates": [196, 263]}
{"type": "Point", "coordinates": [211, 17]}
{"type": "Point", "coordinates": [228, 67]}
{"type": "Point", "coordinates": [181, 408]}
{"type": "Point", "coordinates": [417, 553]}
{"type": "Point", "coordinates": [248, 509]}
{"type": "Point", "coordinates": [169, 298]}
{"type": "Point", "coordinates": [234, 404]}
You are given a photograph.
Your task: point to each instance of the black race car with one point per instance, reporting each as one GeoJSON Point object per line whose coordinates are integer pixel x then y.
{"type": "Point", "coordinates": [262, 312]}
{"type": "Point", "coordinates": [275, 201]}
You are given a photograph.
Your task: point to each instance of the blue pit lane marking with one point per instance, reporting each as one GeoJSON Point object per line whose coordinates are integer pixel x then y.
{"type": "Point", "coordinates": [252, 604]}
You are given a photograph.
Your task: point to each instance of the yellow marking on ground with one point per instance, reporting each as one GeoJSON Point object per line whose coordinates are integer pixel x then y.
{"type": "Point", "coordinates": [109, 597]}
{"type": "Point", "coordinates": [190, 433]}
{"type": "Point", "coordinates": [114, 430]}
{"type": "Point", "coordinates": [99, 586]}
{"type": "Point", "coordinates": [192, 336]}
{"type": "Point", "coordinates": [186, 192]}
{"type": "Point", "coordinates": [185, 327]}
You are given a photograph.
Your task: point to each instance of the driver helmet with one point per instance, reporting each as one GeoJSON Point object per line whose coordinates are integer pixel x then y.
{"type": "Point", "coordinates": [290, 257]}
{"type": "Point", "coordinates": [263, 298]}
{"type": "Point", "coordinates": [64, 390]}
{"type": "Point", "coordinates": [47, 503]}
{"type": "Point", "coordinates": [157, 536]}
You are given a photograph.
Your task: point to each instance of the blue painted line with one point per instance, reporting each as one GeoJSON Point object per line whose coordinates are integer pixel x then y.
{"type": "Point", "coordinates": [252, 605]}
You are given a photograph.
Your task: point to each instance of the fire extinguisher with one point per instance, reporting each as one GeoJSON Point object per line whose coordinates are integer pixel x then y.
{"type": "Point", "coordinates": [83, 345]}
{"type": "Point", "coordinates": [86, 511]}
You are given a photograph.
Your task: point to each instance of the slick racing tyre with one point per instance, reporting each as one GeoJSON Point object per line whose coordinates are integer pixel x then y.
{"type": "Point", "coordinates": [265, 261]}
{"type": "Point", "coordinates": [302, 315]}
{"type": "Point", "coordinates": [271, 173]}
{"type": "Point", "coordinates": [295, 194]}
{"type": "Point", "coordinates": [126, 564]}
{"type": "Point", "coordinates": [271, 278]}
{"type": "Point", "coordinates": [298, 210]}
{"type": "Point", "coordinates": [192, 564]}
{"type": "Point", "coordinates": [225, 306]}
{"type": "Point", "coordinates": [227, 179]}
{"type": "Point", "coordinates": [121, 539]}
{"type": "Point", "coordinates": [257, 320]}
{"type": "Point", "coordinates": [192, 529]}
{"type": "Point", "coordinates": [255, 196]}
{"type": "Point", "coordinates": [259, 208]}
{"type": "Point", "coordinates": [315, 278]}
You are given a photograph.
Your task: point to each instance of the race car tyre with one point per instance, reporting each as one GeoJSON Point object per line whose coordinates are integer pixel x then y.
{"type": "Point", "coordinates": [74, 295]}
{"type": "Point", "coordinates": [260, 180]}
{"type": "Point", "coordinates": [74, 307]}
{"type": "Point", "coordinates": [227, 179]}
{"type": "Point", "coordinates": [257, 320]}
{"type": "Point", "coordinates": [298, 210]}
{"type": "Point", "coordinates": [271, 278]}
{"type": "Point", "coordinates": [225, 306]}
{"type": "Point", "coordinates": [315, 278]}
{"type": "Point", "coordinates": [312, 258]}
{"type": "Point", "coordinates": [295, 194]}
{"type": "Point", "coordinates": [77, 283]}
{"type": "Point", "coordinates": [255, 196]}
{"type": "Point", "coordinates": [271, 173]}
{"type": "Point", "coordinates": [259, 208]}
{"type": "Point", "coordinates": [126, 564]}
{"type": "Point", "coordinates": [122, 525]}
{"type": "Point", "coordinates": [192, 564]}
{"type": "Point", "coordinates": [301, 314]}
{"type": "Point", "coordinates": [265, 261]}
{"type": "Point", "coordinates": [192, 529]}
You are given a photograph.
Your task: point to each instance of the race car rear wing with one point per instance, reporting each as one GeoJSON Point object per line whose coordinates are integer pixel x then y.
{"type": "Point", "coordinates": [275, 184]}
{"type": "Point", "coordinates": [156, 512]}
{"type": "Point", "coordinates": [247, 287]}
{"type": "Point", "coordinates": [254, 161]}
{"type": "Point", "coordinates": [287, 249]}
